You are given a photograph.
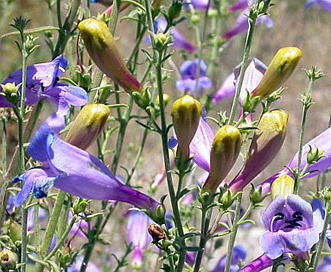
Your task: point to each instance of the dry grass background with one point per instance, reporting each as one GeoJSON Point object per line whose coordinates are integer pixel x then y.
{"type": "Point", "coordinates": [309, 30]}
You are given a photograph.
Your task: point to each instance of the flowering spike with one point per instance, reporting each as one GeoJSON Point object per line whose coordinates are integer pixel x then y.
{"type": "Point", "coordinates": [103, 50]}
{"type": "Point", "coordinates": [284, 185]}
{"type": "Point", "coordinates": [88, 125]}
{"type": "Point", "coordinates": [224, 153]}
{"type": "Point", "coordinates": [279, 70]}
{"type": "Point", "coordinates": [266, 143]}
{"type": "Point", "coordinates": [186, 112]}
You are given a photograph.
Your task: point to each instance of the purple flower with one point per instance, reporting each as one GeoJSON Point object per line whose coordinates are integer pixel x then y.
{"type": "Point", "coordinates": [188, 81]}
{"type": "Point", "coordinates": [258, 264]}
{"type": "Point", "coordinates": [325, 266]}
{"type": "Point", "coordinates": [238, 255]}
{"type": "Point", "coordinates": [179, 41]}
{"type": "Point", "coordinates": [138, 235]}
{"type": "Point", "coordinates": [76, 172]}
{"type": "Point", "coordinates": [42, 83]}
{"type": "Point", "coordinates": [201, 145]}
{"type": "Point", "coordinates": [322, 142]}
{"type": "Point", "coordinates": [324, 4]}
{"type": "Point", "coordinates": [198, 4]}
{"type": "Point", "coordinates": [253, 75]}
{"type": "Point", "coordinates": [75, 267]}
{"type": "Point", "coordinates": [241, 24]}
{"type": "Point", "coordinates": [291, 226]}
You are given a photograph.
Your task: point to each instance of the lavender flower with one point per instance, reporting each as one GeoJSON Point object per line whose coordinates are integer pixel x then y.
{"type": "Point", "coordinates": [325, 266]}
{"type": "Point", "coordinates": [238, 255]}
{"type": "Point", "coordinates": [42, 84]}
{"type": "Point", "coordinates": [322, 142]}
{"type": "Point", "coordinates": [258, 264]}
{"type": "Point", "coordinates": [76, 172]}
{"type": "Point", "coordinates": [198, 4]}
{"type": "Point", "coordinates": [179, 41]}
{"type": "Point", "coordinates": [138, 235]}
{"type": "Point", "coordinates": [188, 82]}
{"type": "Point", "coordinates": [291, 226]}
{"type": "Point", "coordinates": [324, 4]}
{"type": "Point", "coordinates": [253, 75]}
{"type": "Point", "coordinates": [241, 24]}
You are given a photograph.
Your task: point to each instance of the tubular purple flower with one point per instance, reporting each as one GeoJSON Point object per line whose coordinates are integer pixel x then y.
{"type": "Point", "coordinates": [224, 153]}
{"type": "Point", "coordinates": [322, 142]}
{"type": "Point", "coordinates": [324, 4]}
{"type": "Point", "coordinates": [253, 75]}
{"type": "Point", "coordinates": [103, 50]}
{"type": "Point", "coordinates": [258, 264]}
{"type": "Point", "coordinates": [138, 235]}
{"type": "Point", "coordinates": [76, 172]}
{"type": "Point", "coordinates": [188, 82]}
{"type": "Point", "coordinates": [241, 25]}
{"type": "Point", "coordinates": [266, 143]}
{"type": "Point", "coordinates": [186, 112]}
{"type": "Point", "coordinates": [198, 4]}
{"type": "Point", "coordinates": [279, 70]}
{"type": "Point", "coordinates": [179, 41]}
{"type": "Point", "coordinates": [240, 5]}
{"type": "Point", "coordinates": [238, 256]}
{"type": "Point", "coordinates": [42, 84]}
{"type": "Point", "coordinates": [200, 146]}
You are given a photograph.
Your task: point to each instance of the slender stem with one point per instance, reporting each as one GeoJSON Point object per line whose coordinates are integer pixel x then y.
{"type": "Point", "coordinates": [306, 105]}
{"type": "Point", "coordinates": [249, 37]}
{"type": "Point", "coordinates": [5, 181]}
{"type": "Point", "coordinates": [205, 221]}
{"type": "Point", "coordinates": [317, 256]}
{"type": "Point", "coordinates": [233, 233]}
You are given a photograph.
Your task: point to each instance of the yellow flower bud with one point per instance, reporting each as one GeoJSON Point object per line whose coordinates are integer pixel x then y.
{"type": "Point", "coordinates": [166, 99]}
{"type": "Point", "coordinates": [279, 70]}
{"type": "Point", "coordinates": [186, 113]}
{"type": "Point", "coordinates": [9, 89]}
{"type": "Point", "coordinates": [103, 50]}
{"type": "Point", "coordinates": [224, 153]}
{"type": "Point", "coordinates": [8, 260]}
{"type": "Point", "coordinates": [88, 125]}
{"type": "Point", "coordinates": [284, 185]}
{"type": "Point", "coordinates": [267, 141]}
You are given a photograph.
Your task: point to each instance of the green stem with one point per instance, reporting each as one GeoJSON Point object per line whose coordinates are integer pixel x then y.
{"type": "Point", "coordinates": [248, 43]}
{"type": "Point", "coordinates": [233, 233]}
{"type": "Point", "coordinates": [205, 221]}
{"type": "Point", "coordinates": [51, 227]}
{"type": "Point", "coordinates": [306, 105]}
{"type": "Point", "coordinates": [317, 256]}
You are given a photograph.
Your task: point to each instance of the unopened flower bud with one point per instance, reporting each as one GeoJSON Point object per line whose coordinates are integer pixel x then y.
{"type": "Point", "coordinates": [266, 143]}
{"type": "Point", "coordinates": [284, 185]}
{"type": "Point", "coordinates": [256, 196]}
{"type": "Point", "coordinates": [156, 232]}
{"type": "Point", "coordinates": [10, 91]}
{"type": "Point", "coordinates": [80, 205]}
{"type": "Point", "coordinates": [174, 10]}
{"type": "Point", "coordinates": [161, 41]}
{"type": "Point", "coordinates": [15, 231]}
{"type": "Point", "coordinates": [103, 50]}
{"type": "Point", "coordinates": [279, 70]}
{"type": "Point", "coordinates": [186, 113]}
{"type": "Point", "coordinates": [88, 125]}
{"type": "Point", "coordinates": [8, 260]}
{"type": "Point", "coordinates": [166, 99]}
{"type": "Point", "coordinates": [226, 199]}
{"type": "Point", "coordinates": [314, 155]}
{"type": "Point", "coordinates": [224, 153]}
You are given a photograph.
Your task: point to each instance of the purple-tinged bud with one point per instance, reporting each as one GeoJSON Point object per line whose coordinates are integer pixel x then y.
{"type": "Point", "coordinates": [284, 185]}
{"type": "Point", "coordinates": [186, 113]}
{"type": "Point", "coordinates": [224, 153]}
{"type": "Point", "coordinates": [103, 50]}
{"type": "Point", "coordinates": [266, 143]}
{"type": "Point", "coordinates": [8, 260]}
{"type": "Point", "coordinates": [88, 125]}
{"type": "Point", "coordinates": [279, 70]}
